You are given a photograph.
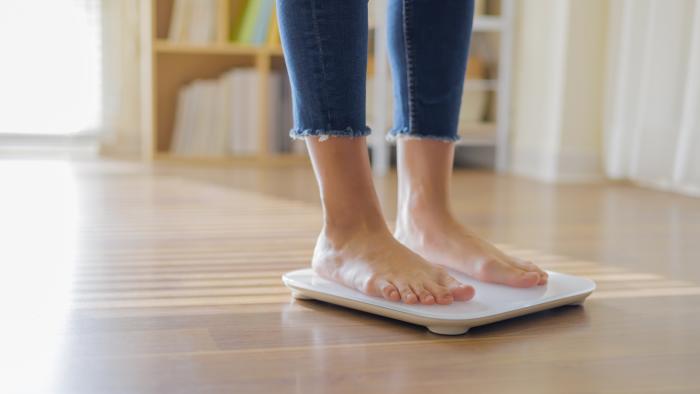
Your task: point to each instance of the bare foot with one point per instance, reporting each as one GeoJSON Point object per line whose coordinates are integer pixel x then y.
{"type": "Point", "coordinates": [375, 263]}
{"type": "Point", "coordinates": [442, 240]}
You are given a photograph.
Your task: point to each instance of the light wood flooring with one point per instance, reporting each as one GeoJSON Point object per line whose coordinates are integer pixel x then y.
{"type": "Point", "coordinates": [129, 278]}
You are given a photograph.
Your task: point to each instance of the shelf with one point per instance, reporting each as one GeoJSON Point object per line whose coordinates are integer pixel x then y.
{"type": "Point", "coordinates": [177, 63]}
{"type": "Point", "coordinates": [170, 65]}
{"type": "Point", "coordinates": [165, 46]}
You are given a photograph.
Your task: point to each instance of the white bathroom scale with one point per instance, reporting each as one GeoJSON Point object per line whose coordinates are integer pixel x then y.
{"type": "Point", "coordinates": [491, 303]}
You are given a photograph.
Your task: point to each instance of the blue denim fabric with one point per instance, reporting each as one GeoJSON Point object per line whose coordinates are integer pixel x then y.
{"type": "Point", "coordinates": [325, 47]}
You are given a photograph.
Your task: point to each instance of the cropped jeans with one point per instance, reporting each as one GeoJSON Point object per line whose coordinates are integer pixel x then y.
{"type": "Point", "coordinates": [325, 47]}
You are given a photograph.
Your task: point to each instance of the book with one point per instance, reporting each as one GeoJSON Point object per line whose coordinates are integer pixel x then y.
{"type": "Point", "coordinates": [237, 12]}
{"type": "Point", "coordinates": [253, 22]}
{"type": "Point", "coordinates": [177, 143]}
{"type": "Point", "coordinates": [273, 38]}
{"type": "Point", "coordinates": [252, 125]}
{"type": "Point", "coordinates": [193, 21]}
{"type": "Point", "coordinates": [250, 17]}
{"type": "Point", "coordinates": [194, 144]}
{"type": "Point", "coordinates": [221, 116]}
{"type": "Point", "coordinates": [239, 112]}
{"type": "Point", "coordinates": [273, 110]}
{"type": "Point", "coordinates": [209, 104]}
{"type": "Point", "coordinates": [262, 23]}
{"type": "Point", "coordinates": [244, 123]}
{"type": "Point", "coordinates": [203, 22]}
{"type": "Point", "coordinates": [180, 12]}
{"type": "Point", "coordinates": [184, 126]}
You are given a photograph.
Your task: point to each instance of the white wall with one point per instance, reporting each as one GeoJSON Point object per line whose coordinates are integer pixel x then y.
{"type": "Point", "coordinates": [558, 89]}
{"type": "Point", "coordinates": [535, 90]}
{"type": "Point", "coordinates": [581, 123]}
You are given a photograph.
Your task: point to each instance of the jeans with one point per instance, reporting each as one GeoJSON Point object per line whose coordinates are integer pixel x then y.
{"type": "Point", "coordinates": [325, 47]}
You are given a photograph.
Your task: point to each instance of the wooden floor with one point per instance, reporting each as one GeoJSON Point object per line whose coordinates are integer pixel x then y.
{"type": "Point", "coordinates": [123, 278]}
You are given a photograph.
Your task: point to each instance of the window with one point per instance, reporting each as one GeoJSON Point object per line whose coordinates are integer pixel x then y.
{"type": "Point", "coordinates": [50, 73]}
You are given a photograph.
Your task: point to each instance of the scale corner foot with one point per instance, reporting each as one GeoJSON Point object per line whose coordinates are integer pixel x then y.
{"type": "Point", "coordinates": [448, 330]}
{"type": "Point", "coordinates": [298, 296]}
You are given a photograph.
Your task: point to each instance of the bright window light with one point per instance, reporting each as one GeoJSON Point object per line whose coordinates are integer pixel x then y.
{"type": "Point", "coordinates": [50, 72]}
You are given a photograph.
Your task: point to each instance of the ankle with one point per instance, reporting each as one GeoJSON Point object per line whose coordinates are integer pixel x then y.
{"type": "Point", "coordinates": [342, 229]}
{"type": "Point", "coordinates": [416, 215]}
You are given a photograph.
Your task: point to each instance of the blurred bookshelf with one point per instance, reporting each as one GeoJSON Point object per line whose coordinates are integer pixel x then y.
{"type": "Point", "coordinates": [173, 64]}
{"type": "Point", "coordinates": [484, 115]}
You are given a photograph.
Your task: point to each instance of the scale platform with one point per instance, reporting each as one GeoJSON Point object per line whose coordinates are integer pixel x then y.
{"type": "Point", "coordinates": [491, 303]}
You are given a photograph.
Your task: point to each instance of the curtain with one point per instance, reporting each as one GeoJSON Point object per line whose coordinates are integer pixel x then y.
{"type": "Point", "coordinates": [121, 98]}
{"type": "Point", "coordinates": [652, 123]}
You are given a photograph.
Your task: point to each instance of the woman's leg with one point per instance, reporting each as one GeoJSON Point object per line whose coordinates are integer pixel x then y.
{"type": "Point", "coordinates": [325, 45]}
{"type": "Point", "coordinates": [428, 63]}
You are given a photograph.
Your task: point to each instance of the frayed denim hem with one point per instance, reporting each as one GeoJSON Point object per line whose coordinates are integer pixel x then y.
{"type": "Point", "coordinates": [395, 134]}
{"type": "Point", "coordinates": [299, 134]}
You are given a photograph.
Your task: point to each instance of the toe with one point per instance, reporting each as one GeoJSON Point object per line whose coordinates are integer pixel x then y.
{"type": "Point", "coordinates": [459, 290]}
{"type": "Point", "coordinates": [441, 293]}
{"type": "Point", "coordinates": [407, 295]}
{"type": "Point", "coordinates": [543, 277]}
{"type": "Point", "coordinates": [378, 286]}
{"type": "Point", "coordinates": [527, 265]}
{"type": "Point", "coordinates": [531, 267]}
{"type": "Point", "coordinates": [497, 271]}
{"type": "Point", "coordinates": [527, 279]}
{"type": "Point", "coordinates": [423, 295]}
{"type": "Point", "coordinates": [389, 291]}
